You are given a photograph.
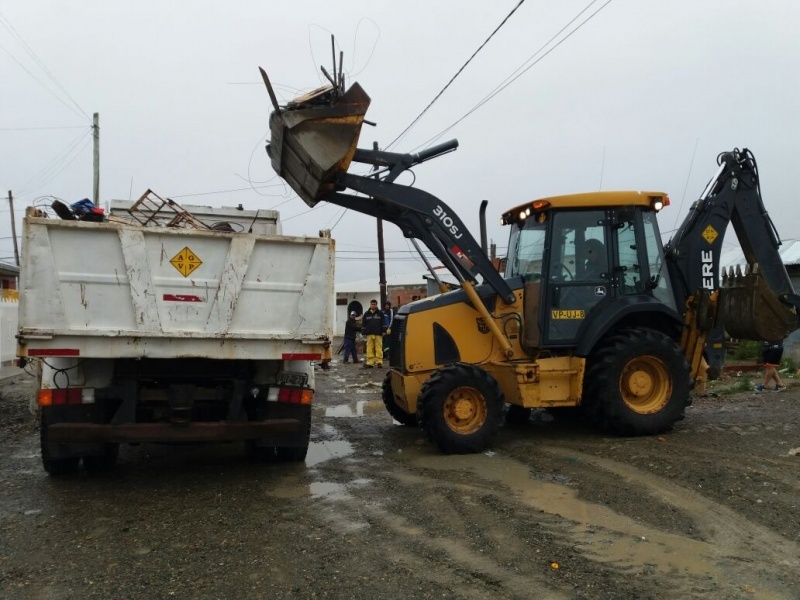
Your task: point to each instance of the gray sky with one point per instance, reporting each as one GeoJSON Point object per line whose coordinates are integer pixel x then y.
{"type": "Point", "coordinates": [643, 96]}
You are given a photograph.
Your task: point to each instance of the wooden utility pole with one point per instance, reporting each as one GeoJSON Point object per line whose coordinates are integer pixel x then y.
{"type": "Point", "coordinates": [381, 255]}
{"type": "Point", "coordinates": [13, 226]}
{"type": "Point", "coordinates": [96, 136]}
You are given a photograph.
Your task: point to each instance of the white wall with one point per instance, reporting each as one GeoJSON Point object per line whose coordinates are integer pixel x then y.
{"type": "Point", "coordinates": [9, 310]}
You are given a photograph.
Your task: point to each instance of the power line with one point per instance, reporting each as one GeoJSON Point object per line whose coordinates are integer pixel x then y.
{"type": "Point", "coordinates": [41, 128]}
{"type": "Point", "coordinates": [453, 78]}
{"type": "Point", "coordinates": [7, 24]}
{"type": "Point", "coordinates": [522, 69]}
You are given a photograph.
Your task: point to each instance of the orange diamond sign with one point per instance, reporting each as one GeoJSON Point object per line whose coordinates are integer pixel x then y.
{"type": "Point", "coordinates": [710, 234]}
{"type": "Point", "coordinates": [186, 261]}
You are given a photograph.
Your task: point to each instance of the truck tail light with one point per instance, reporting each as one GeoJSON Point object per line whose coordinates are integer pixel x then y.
{"type": "Point", "coordinates": [295, 395]}
{"type": "Point", "coordinates": [65, 396]}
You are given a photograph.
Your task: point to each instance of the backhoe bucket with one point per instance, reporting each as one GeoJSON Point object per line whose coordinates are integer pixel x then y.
{"type": "Point", "coordinates": [314, 137]}
{"type": "Point", "coordinates": [749, 310]}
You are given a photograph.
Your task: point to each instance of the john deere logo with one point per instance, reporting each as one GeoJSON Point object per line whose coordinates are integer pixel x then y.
{"type": "Point", "coordinates": [482, 326]}
{"type": "Point", "coordinates": [186, 262]}
{"type": "Point", "coordinates": [710, 234]}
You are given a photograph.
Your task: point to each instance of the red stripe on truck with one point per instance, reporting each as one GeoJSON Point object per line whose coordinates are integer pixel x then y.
{"type": "Point", "coordinates": [54, 352]}
{"type": "Point", "coordinates": [300, 356]}
{"type": "Point", "coordinates": [181, 298]}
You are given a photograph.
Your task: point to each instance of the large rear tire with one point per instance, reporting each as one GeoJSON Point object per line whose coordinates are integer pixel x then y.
{"type": "Point", "coordinates": [397, 413]}
{"type": "Point", "coordinates": [638, 382]}
{"type": "Point", "coordinates": [53, 464]}
{"type": "Point", "coordinates": [104, 462]}
{"type": "Point", "coordinates": [460, 408]}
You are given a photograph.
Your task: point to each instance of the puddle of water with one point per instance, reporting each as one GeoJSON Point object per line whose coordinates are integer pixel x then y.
{"type": "Point", "coordinates": [319, 452]}
{"type": "Point", "coordinates": [328, 490]}
{"type": "Point", "coordinates": [600, 533]}
{"type": "Point", "coordinates": [354, 409]}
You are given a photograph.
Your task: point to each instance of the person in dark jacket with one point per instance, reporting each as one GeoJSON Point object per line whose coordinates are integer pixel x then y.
{"type": "Point", "coordinates": [771, 355]}
{"type": "Point", "coordinates": [350, 332]}
{"type": "Point", "coordinates": [388, 317]}
{"type": "Point", "coordinates": [372, 327]}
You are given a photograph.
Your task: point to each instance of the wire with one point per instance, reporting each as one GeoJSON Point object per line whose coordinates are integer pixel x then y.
{"type": "Point", "coordinates": [686, 185]}
{"type": "Point", "coordinates": [7, 24]}
{"type": "Point", "coordinates": [44, 175]}
{"type": "Point", "coordinates": [41, 128]}
{"type": "Point", "coordinates": [247, 189]}
{"type": "Point", "coordinates": [453, 78]}
{"type": "Point", "coordinates": [522, 69]}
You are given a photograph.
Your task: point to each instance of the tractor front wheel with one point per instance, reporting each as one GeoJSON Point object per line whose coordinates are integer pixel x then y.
{"type": "Point", "coordinates": [397, 413]}
{"type": "Point", "coordinates": [460, 408]}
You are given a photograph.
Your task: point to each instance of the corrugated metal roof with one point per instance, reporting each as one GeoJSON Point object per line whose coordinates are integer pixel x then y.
{"type": "Point", "coordinates": [789, 252]}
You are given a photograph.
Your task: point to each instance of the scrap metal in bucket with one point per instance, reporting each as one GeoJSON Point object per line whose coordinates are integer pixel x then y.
{"type": "Point", "coordinates": [749, 309]}
{"type": "Point", "coordinates": [314, 137]}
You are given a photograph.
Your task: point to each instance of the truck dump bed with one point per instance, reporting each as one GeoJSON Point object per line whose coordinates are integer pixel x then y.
{"type": "Point", "coordinates": [113, 290]}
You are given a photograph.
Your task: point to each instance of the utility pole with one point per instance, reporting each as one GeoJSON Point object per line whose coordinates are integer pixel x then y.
{"type": "Point", "coordinates": [96, 136]}
{"type": "Point", "coordinates": [13, 226]}
{"type": "Point", "coordinates": [381, 255]}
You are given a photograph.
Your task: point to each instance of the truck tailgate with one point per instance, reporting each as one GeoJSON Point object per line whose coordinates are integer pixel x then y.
{"type": "Point", "coordinates": [116, 290]}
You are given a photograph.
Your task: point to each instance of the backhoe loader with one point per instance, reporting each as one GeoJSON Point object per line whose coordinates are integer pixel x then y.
{"type": "Point", "coordinates": [592, 313]}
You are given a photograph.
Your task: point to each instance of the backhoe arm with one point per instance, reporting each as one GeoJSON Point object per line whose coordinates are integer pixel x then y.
{"type": "Point", "coordinates": [759, 303]}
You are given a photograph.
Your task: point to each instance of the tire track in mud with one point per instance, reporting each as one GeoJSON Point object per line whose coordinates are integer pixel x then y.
{"type": "Point", "coordinates": [735, 544]}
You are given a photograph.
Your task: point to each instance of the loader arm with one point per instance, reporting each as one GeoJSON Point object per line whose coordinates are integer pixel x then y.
{"type": "Point", "coordinates": [759, 303]}
{"type": "Point", "coordinates": [419, 215]}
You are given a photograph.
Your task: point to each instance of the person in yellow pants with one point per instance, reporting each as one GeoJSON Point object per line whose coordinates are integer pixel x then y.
{"type": "Point", "coordinates": [372, 327]}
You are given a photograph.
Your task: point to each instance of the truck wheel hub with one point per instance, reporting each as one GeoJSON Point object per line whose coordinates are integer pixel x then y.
{"type": "Point", "coordinates": [641, 383]}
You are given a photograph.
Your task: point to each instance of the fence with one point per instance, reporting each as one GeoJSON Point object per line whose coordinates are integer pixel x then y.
{"type": "Point", "coordinates": [9, 310]}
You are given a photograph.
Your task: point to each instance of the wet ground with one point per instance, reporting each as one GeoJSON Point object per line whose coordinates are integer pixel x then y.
{"type": "Point", "coordinates": [553, 510]}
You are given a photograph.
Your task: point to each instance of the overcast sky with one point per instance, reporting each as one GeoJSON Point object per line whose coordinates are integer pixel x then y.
{"type": "Point", "coordinates": [644, 95]}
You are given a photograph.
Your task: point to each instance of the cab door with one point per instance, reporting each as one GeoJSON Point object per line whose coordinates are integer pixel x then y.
{"type": "Point", "coordinates": [578, 273]}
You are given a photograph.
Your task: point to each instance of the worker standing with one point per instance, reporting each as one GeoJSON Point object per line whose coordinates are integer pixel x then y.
{"type": "Point", "coordinates": [373, 328]}
{"type": "Point", "coordinates": [771, 354]}
{"type": "Point", "coordinates": [388, 317]}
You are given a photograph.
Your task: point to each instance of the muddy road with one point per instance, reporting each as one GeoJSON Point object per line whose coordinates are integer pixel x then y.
{"type": "Point", "coordinates": [554, 510]}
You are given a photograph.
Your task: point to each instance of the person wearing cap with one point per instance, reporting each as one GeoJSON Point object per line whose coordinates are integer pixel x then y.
{"type": "Point", "coordinates": [350, 331]}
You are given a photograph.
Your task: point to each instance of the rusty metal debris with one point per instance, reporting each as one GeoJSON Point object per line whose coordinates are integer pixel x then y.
{"type": "Point", "coordinates": [314, 136]}
{"type": "Point", "coordinates": [750, 310]}
{"type": "Point", "coordinates": [151, 209]}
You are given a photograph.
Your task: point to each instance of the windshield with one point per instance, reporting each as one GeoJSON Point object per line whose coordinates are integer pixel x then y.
{"type": "Point", "coordinates": [526, 248]}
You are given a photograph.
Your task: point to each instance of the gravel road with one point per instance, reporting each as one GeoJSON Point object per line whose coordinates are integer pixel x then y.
{"type": "Point", "coordinates": [553, 510]}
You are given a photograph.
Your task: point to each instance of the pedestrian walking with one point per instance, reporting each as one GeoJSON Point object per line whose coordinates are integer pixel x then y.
{"type": "Point", "coordinates": [771, 354]}
{"type": "Point", "coordinates": [388, 318]}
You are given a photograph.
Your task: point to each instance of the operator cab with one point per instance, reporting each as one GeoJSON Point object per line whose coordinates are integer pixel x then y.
{"type": "Point", "coordinates": [580, 254]}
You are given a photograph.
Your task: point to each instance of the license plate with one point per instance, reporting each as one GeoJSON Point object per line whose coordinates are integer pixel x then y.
{"type": "Point", "coordinates": [291, 379]}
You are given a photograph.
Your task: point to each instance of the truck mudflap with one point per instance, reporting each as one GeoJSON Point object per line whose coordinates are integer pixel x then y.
{"type": "Point", "coordinates": [314, 137]}
{"type": "Point", "coordinates": [167, 432]}
{"type": "Point", "coordinates": [750, 310]}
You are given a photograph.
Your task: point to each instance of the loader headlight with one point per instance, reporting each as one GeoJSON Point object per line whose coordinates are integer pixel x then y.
{"type": "Point", "coordinates": [658, 205]}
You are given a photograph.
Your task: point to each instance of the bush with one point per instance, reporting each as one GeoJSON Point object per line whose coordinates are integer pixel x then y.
{"type": "Point", "coordinates": [747, 349]}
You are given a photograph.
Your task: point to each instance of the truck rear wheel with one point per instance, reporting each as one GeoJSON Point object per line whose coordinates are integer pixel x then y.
{"type": "Point", "coordinates": [103, 462]}
{"type": "Point", "coordinates": [397, 413]}
{"type": "Point", "coordinates": [639, 382]}
{"type": "Point", "coordinates": [53, 464]}
{"type": "Point", "coordinates": [460, 408]}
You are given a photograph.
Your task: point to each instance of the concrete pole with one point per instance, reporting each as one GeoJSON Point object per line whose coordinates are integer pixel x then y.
{"type": "Point", "coordinates": [13, 226]}
{"type": "Point", "coordinates": [96, 135]}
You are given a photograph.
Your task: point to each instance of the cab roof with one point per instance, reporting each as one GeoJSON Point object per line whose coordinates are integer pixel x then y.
{"type": "Point", "coordinates": [586, 200]}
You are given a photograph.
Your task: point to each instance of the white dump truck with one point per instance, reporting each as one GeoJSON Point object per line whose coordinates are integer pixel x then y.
{"type": "Point", "coordinates": [206, 330]}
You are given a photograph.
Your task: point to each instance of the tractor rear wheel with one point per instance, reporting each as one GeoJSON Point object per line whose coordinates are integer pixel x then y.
{"type": "Point", "coordinates": [460, 408]}
{"type": "Point", "coordinates": [638, 381]}
{"type": "Point", "coordinates": [397, 413]}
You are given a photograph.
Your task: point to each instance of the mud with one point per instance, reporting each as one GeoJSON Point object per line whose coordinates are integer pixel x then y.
{"type": "Point", "coordinates": [553, 510]}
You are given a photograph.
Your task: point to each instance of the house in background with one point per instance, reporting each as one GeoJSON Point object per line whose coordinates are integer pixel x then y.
{"type": "Point", "coordinates": [790, 255]}
{"type": "Point", "coordinates": [400, 289]}
{"type": "Point", "coordinates": [9, 312]}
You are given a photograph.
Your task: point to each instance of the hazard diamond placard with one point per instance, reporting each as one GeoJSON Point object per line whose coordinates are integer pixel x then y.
{"type": "Point", "coordinates": [186, 261]}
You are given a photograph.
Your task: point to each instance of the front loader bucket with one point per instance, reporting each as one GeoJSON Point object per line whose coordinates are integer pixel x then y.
{"type": "Point", "coordinates": [314, 137]}
{"type": "Point", "coordinates": [749, 310]}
